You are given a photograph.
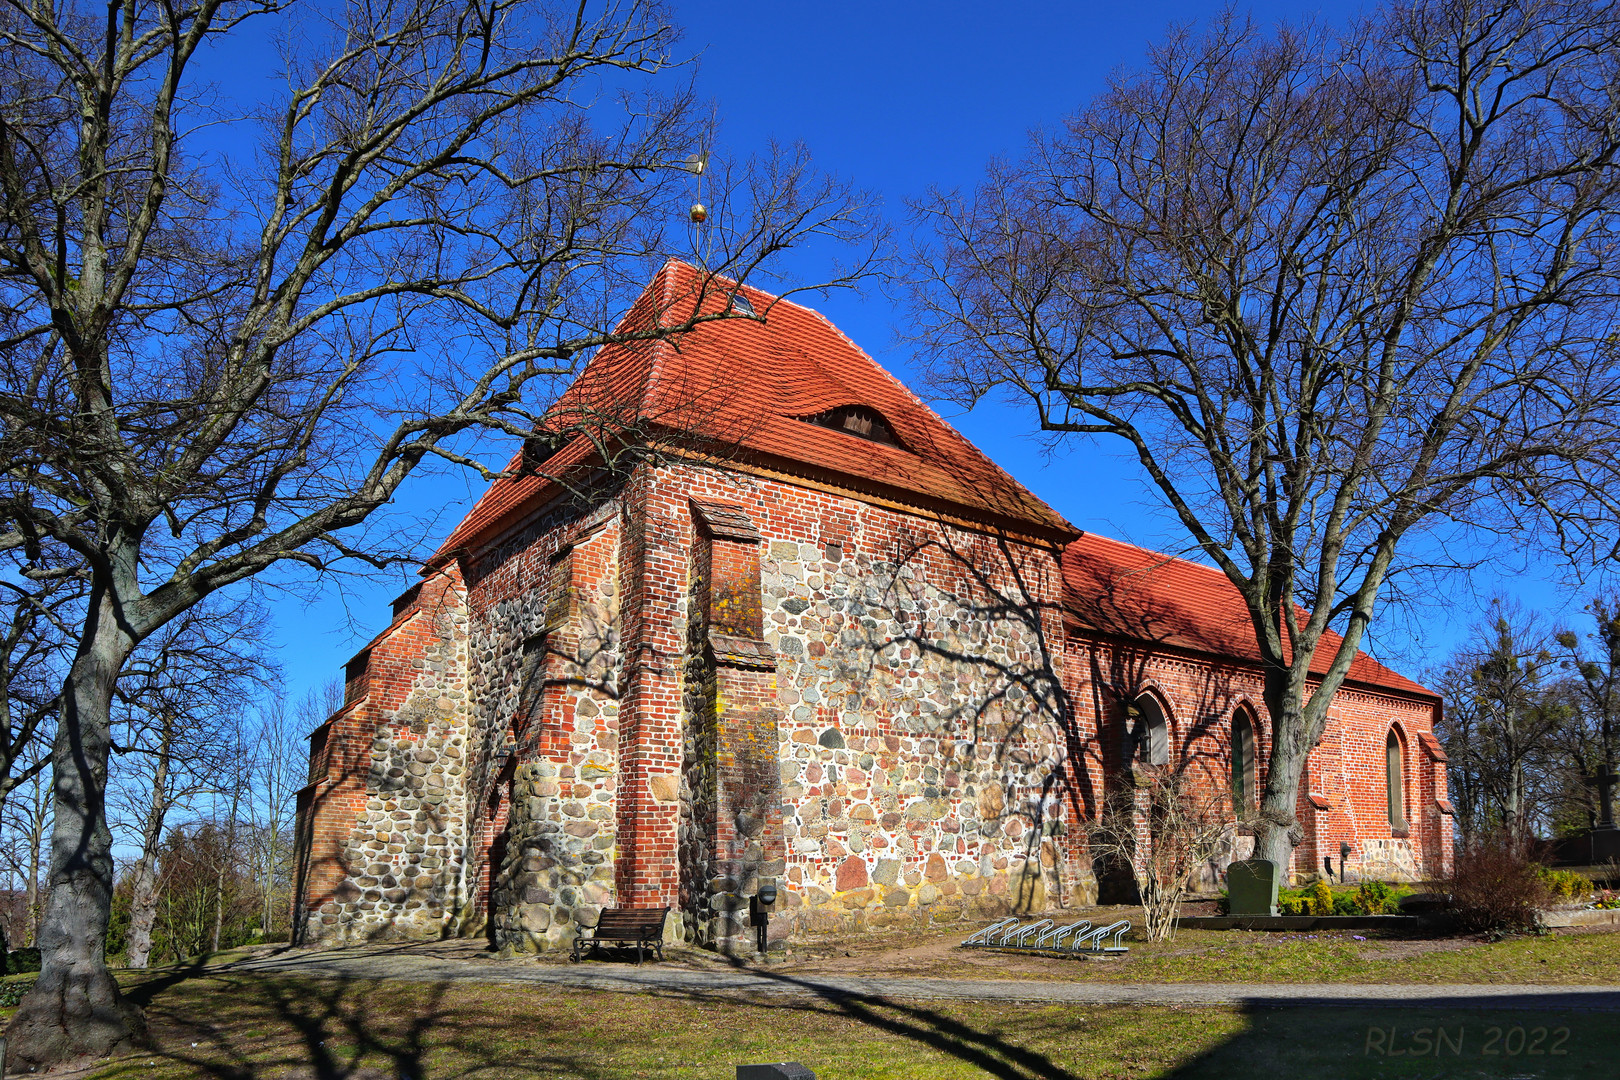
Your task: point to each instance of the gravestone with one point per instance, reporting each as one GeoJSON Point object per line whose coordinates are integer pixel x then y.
{"type": "Point", "coordinates": [1251, 887]}
{"type": "Point", "coordinates": [781, 1070]}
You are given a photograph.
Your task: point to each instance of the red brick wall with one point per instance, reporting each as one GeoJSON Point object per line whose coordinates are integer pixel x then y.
{"type": "Point", "coordinates": [1345, 772]}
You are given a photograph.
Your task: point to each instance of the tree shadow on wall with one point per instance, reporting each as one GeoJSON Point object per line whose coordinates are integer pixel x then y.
{"type": "Point", "coordinates": [1057, 757]}
{"type": "Point", "coordinates": [979, 613]}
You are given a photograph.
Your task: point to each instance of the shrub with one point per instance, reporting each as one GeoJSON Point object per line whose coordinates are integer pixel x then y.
{"type": "Point", "coordinates": [1496, 886]}
{"type": "Point", "coordinates": [1320, 897]}
{"type": "Point", "coordinates": [21, 960]}
{"type": "Point", "coordinates": [1346, 904]}
{"type": "Point", "coordinates": [1565, 885]}
{"type": "Point", "coordinates": [1375, 898]}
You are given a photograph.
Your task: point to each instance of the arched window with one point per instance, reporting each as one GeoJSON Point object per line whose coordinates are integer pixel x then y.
{"type": "Point", "coordinates": [1395, 780]}
{"type": "Point", "coordinates": [1152, 732]}
{"type": "Point", "coordinates": [1243, 765]}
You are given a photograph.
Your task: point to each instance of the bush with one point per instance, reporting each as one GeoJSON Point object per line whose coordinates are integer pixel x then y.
{"type": "Point", "coordinates": [1565, 885]}
{"type": "Point", "coordinates": [1320, 898]}
{"type": "Point", "coordinates": [1346, 904]}
{"type": "Point", "coordinates": [1376, 898]}
{"type": "Point", "coordinates": [21, 960]}
{"type": "Point", "coordinates": [11, 994]}
{"type": "Point", "coordinates": [1496, 886]}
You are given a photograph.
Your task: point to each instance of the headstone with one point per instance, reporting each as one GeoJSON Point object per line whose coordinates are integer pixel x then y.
{"type": "Point", "coordinates": [782, 1070]}
{"type": "Point", "coordinates": [1251, 887]}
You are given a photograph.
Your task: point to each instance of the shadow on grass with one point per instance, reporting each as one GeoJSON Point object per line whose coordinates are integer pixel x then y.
{"type": "Point", "coordinates": [1415, 1042]}
{"type": "Point", "coordinates": [254, 1026]}
{"type": "Point", "coordinates": [373, 1029]}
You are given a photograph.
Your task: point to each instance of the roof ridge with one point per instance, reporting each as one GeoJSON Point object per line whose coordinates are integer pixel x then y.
{"type": "Point", "coordinates": [665, 288]}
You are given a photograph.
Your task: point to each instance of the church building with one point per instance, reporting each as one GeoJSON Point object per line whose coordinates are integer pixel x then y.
{"type": "Point", "coordinates": [753, 614]}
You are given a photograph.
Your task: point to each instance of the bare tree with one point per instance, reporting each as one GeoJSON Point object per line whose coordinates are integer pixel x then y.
{"type": "Point", "coordinates": [1167, 824]}
{"type": "Point", "coordinates": [280, 768]}
{"type": "Point", "coordinates": [178, 718]}
{"type": "Point", "coordinates": [1348, 297]}
{"type": "Point", "coordinates": [27, 828]}
{"type": "Point", "coordinates": [1589, 739]}
{"type": "Point", "coordinates": [221, 354]}
{"type": "Point", "coordinates": [35, 648]}
{"type": "Point", "coordinates": [1499, 726]}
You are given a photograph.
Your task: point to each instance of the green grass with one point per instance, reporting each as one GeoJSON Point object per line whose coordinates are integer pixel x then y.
{"type": "Point", "coordinates": [1236, 956]}
{"type": "Point", "coordinates": [246, 1027]}
{"type": "Point", "coordinates": [1239, 956]}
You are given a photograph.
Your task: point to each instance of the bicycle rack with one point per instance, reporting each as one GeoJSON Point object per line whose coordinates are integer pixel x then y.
{"type": "Point", "coordinates": [1044, 935]}
{"type": "Point", "coordinates": [982, 938]}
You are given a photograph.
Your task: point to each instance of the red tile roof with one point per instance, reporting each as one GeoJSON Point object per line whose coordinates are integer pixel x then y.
{"type": "Point", "coordinates": [751, 387]}
{"type": "Point", "coordinates": [1125, 591]}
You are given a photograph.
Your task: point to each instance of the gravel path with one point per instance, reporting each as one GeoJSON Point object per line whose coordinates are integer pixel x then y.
{"type": "Point", "coordinates": [385, 963]}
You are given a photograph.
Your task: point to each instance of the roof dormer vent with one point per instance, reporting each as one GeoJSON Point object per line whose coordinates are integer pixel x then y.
{"type": "Point", "coordinates": [859, 421]}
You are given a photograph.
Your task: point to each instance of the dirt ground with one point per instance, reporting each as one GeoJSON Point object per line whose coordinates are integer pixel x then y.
{"type": "Point", "coordinates": [935, 952]}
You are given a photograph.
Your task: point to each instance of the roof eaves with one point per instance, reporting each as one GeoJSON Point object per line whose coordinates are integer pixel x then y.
{"type": "Point", "coordinates": [1414, 692]}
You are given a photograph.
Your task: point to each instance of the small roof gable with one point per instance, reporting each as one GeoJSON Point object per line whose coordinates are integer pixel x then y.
{"type": "Point", "coordinates": [761, 391]}
{"type": "Point", "coordinates": [1120, 590]}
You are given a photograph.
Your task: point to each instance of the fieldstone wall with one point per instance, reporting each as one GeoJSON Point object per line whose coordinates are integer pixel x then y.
{"type": "Point", "coordinates": [921, 732]}
{"type": "Point", "coordinates": [1387, 860]}
{"type": "Point", "coordinates": [545, 682]}
{"type": "Point", "coordinates": [401, 862]}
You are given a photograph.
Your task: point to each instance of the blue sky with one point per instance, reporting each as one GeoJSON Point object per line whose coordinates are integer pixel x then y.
{"type": "Point", "coordinates": [896, 97]}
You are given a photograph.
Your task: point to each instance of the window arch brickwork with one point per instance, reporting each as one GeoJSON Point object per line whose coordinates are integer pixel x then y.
{"type": "Point", "coordinates": [1395, 779]}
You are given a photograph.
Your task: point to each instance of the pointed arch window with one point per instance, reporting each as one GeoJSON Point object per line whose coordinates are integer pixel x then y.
{"type": "Point", "coordinates": [1395, 780]}
{"type": "Point", "coordinates": [1152, 732]}
{"type": "Point", "coordinates": [1244, 785]}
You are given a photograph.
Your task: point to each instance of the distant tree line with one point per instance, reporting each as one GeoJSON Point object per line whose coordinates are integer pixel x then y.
{"type": "Point", "coordinates": [1529, 723]}
{"type": "Point", "coordinates": [207, 760]}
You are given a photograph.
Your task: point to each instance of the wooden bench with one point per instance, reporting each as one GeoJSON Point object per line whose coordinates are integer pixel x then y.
{"type": "Point", "coordinates": [641, 927]}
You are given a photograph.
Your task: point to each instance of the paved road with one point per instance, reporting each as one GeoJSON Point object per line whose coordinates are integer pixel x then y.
{"type": "Point", "coordinates": [403, 964]}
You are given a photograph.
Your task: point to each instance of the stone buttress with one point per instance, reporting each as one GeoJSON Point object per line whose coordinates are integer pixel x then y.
{"type": "Point", "coordinates": [732, 840]}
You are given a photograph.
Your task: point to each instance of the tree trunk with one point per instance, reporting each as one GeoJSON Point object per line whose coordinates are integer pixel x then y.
{"type": "Point", "coordinates": [75, 1009]}
{"type": "Point", "coordinates": [142, 913]}
{"type": "Point", "coordinates": [143, 905]}
{"type": "Point", "coordinates": [1276, 827]}
{"type": "Point", "coordinates": [35, 838]}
